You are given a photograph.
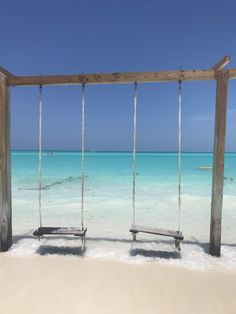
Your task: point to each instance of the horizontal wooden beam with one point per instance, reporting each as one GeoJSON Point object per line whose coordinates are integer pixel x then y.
{"type": "Point", "coordinates": [221, 63]}
{"type": "Point", "coordinates": [110, 78]}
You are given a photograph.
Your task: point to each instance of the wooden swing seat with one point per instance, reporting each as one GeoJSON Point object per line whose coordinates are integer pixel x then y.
{"type": "Point", "coordinates": [60, 231]}
{"type": "Point", "coordinates": [177, 235]}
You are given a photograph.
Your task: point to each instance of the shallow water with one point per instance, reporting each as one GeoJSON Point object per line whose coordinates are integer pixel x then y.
{"type": "Point", "coordinates": [108, 205]}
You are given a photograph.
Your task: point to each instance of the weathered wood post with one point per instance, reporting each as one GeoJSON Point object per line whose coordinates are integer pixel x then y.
{"type": "Point", "coordinates": [5, 168]}
{"type": "Point", "coordinates": [218, 162]}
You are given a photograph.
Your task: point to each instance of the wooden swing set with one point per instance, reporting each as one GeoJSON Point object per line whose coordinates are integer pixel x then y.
{"type": "Point", "coordinates": [217, 73]}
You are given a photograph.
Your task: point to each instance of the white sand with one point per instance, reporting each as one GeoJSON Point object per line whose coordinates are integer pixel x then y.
{"type": "Point", "coordinates": [55, 284]}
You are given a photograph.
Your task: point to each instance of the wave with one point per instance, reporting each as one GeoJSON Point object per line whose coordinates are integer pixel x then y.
{"type": "Point", "coordinates": [193, 255]}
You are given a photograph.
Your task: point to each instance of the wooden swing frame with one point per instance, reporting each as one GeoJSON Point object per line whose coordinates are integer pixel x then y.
{"type": "Point", "coordinates": [217, 73]}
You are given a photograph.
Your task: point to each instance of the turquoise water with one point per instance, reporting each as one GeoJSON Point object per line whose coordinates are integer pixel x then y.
{"type": "Point", "coordinates": [108, 196]}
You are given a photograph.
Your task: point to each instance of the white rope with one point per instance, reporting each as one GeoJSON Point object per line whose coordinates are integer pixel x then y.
{"type": "Point", "coordinates": [134, 149]}
{"type": "Point", "coordinates": [82, 160]}
{"type": "Point", "coordinates": [179, 153]}
{"type": "Point", "coordinates": [40, 156]}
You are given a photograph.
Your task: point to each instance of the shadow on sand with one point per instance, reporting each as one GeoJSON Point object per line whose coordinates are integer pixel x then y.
{"type": "Point", "coordinates": [152, 253]}
{"type": "Point", "coordinates": [134, 251]}
{"type": "Point", "coordinates": [60, 250]}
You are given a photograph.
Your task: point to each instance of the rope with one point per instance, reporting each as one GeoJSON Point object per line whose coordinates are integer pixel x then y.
{"type": "Point", "coordinates": [82, 160]}
{"type": "Point", "coordinates": [179, 153]}
{"type": "Point", "coordinates": [40, 155]}
{"type": "Point", "coordinates": [134, 148]}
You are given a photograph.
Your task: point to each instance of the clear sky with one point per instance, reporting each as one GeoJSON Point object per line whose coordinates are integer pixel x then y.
{"type": "Point", "coordinates": [73, 36]}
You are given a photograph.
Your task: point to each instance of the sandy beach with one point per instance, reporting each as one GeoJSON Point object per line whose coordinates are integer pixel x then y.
{"type": "Point", "coordinates": [58, 284]}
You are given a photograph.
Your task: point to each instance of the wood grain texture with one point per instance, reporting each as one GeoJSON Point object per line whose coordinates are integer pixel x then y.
{"type": "Point", "coordinates": [5, 170]}
{"type": "Point", "coordinates": [60, 231]}
{"type": "Point", "coordinates": [157, 231]}
{"type": "Point", "coordinates": [221, 63]}
{"type": "Point", "coordinates": [110, 78]}
{"type": "Point", "coordinates": [218, 163]}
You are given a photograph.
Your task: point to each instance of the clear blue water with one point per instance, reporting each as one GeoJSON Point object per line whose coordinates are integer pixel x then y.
{"type": "Point", "coordinates": [108, 195]}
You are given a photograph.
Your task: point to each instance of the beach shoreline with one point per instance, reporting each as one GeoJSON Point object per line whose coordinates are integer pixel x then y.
{"type": "Point", "coordinates": [67, 284]}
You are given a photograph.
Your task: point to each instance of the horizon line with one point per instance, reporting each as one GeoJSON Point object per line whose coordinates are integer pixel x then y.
{"type": "Point", "coordinates": [113, 151]}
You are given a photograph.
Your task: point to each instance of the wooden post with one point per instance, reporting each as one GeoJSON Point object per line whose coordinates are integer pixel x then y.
{"type": "Point", "coordinates": [5, 169]}
{"type": "Point", "coordinates": [218, 162]}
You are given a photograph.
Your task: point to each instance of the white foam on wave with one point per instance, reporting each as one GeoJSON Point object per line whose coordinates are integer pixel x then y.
{"type": "Point", "coordinates": [192, 256]}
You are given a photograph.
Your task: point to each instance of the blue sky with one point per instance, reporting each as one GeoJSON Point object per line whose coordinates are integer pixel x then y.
{"type": "Point", "coordinates": [68, 36]}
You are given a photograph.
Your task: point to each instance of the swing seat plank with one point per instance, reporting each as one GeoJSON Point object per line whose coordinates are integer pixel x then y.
{"type": "Point", "coordinates": [168, 233]}
{"type": "Point", "coordinates": [60, 231]}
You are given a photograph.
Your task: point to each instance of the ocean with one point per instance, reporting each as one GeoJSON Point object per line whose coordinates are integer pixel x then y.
{"type": "Point", "coordinates": [108, 206]}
